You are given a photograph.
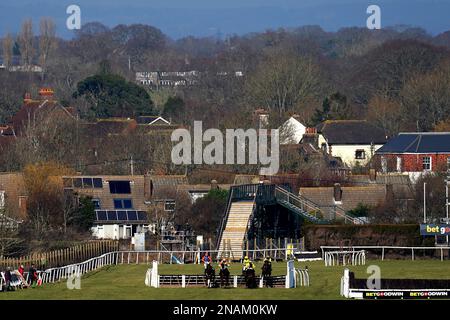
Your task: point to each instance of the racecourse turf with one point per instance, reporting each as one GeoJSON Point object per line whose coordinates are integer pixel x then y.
{"type": "Point", "coordinates": [127, 282]}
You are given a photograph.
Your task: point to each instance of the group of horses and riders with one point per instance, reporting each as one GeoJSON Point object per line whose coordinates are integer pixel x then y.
{"type": "Point", "coordinates": [248, 271]}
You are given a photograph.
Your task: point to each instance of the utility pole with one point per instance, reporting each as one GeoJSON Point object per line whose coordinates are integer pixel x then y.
{"type": "Point", "coordinates": [424, 203]}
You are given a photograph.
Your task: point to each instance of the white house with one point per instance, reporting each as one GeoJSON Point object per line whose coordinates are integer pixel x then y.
{"type": "Point", "coordinates": [353, 141]}
{"type": "Point", "coordinates": [119, 224]}
{"type": "Point", "coordinates": [292, 131]}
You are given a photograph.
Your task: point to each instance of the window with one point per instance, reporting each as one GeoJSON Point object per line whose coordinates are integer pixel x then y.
{"type": "Point", "coordinates": [384, 164]}
{"type": "Point", "coordinates": [2, 199]}
{"type": "Point", "coordinates": [123, 204]}
{"type": "Point", "coordinates": [96, 203]}
{"type": "Point", "coordinates": [426, 162]}
{"type": "Point", "coordinates": [360, 154]}
{"type": "Point", "coordinates": [169, 206]}
{"type": "Point", "coordinates": [399, 164]}
{"type": "Point", "coordinates": [120, 187]}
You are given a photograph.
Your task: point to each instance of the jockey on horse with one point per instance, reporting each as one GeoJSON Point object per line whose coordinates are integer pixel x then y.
{"type": "Point", "coordinates": [267, 271]}
{"type": "Point", "coordinates": [206, 259]}
{"type": "Point", "coordinates": [224, 273]}
{"type": "Point", "coordinates": [210, 275]}
{"type": "Point", "coordinates": [249, 272]}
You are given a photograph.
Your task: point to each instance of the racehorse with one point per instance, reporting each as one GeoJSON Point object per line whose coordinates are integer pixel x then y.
{"type": "Point", "coordinates": [210, 276]}
{"type": "Point", "coordinates": [224, 274]}
{"type": "Point", "coordinates": [250, 278]}
{"type": "Point", "coordinates": [267, 273]}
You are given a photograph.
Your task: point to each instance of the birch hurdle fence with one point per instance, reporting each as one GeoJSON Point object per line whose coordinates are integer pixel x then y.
{"type": "Point", "coordinates": [58, 258]}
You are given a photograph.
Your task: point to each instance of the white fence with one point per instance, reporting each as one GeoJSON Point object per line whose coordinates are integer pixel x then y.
{"type": "Point", "coordinates": [383, 250]}
{"type": "Point", "coordinates": [335, 258]}
{"type": "Point", "coordinates": [125, 257]}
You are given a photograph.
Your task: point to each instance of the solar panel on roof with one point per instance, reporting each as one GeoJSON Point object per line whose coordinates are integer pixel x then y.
{"type": "Point", "coordinates": [132, 215]}
{"type": "Point", "coordinates": [112, 215]}
{"type": "Point", "coordinates": [417, 143]}
{"type": "Point", "coordinates": [101, 215]}
{"type": "Point", "coordinates": [87, 182]}
{"type": "Point", "coordinates": [98, 183]}
{"type": "Point", "coordinates": [142, 215]}
{"type": "Point", "coordinates": [122, 215]}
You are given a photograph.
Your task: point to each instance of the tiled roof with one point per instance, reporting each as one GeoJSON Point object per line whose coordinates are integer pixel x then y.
{"type": "Point", "coordinates": [351, 196]}
{"type": "Point", "coordinates": [401, 184]}
{"type": "Point", "coordinates": [31, 109]}
{"type": "Point", "coordinates": [246, 179]}
{"type": "Point", "coordinates": [168, 180]}
{"type": "Point", "coordinates": [418, 142]}
{"type": "Point", "coordinates": [351, 132]}
{"type": "Point", "coordinates": [105, 127]}
{"type": "Point", "coordinates": [200, 187]}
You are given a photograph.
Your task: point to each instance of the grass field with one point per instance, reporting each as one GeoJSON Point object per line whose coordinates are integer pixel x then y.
{"type": "Point", "coordinates": [127, 282]}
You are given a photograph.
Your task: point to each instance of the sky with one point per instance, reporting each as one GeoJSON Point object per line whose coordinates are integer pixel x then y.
{"type": "Point", "coordinates": [179, 18]}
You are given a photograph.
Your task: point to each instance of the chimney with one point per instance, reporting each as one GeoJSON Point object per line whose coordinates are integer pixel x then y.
{"type": "Point", "coordinates": [337, 192]}
{"type": "Point", "coordinates": [23, 206]}
{"type": "Point", "coordinates": [46, 93]}
{"type": "Point", "coordinates": [262, 116]}
{"type": "Point", "coordinates": [311, 137]}
{"type": "Point", "coordinates": [311, 131]}
{"type": "Point", "coordinates": [27, 97]}
{"type": "Point", "coordinates": [373, 175]}
{"type": "Point", "coordinates": [214, 185]}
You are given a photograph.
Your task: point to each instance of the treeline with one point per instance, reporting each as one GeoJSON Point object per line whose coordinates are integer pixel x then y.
{"type": "Point", "coordinates": [398, 78]}
{"type": "Point", "coordinates": [381, 73]}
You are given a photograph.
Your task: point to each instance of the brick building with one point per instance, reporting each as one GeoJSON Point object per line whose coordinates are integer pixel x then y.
{"type": "Point", "coordinates": [415, 153]}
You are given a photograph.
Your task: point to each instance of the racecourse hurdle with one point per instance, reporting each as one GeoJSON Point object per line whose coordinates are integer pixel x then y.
{"type": "Point", "coordinates": [294, 278]}
{"type": "Point", "coordinates": [352, 257]}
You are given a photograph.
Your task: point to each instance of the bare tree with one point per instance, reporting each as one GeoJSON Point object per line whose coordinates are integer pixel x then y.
{"type": "Point", "coordinates": [7, 50]}
{"type": "Point", "coordinates": [26, 43]}
{"type": "Point", "coordinates": [10, 244]}
{"type": "Point", "coordinates": [47, 41]}
{"type": "Point", "coordinates": [385, 113]}
{"type": "Point", "coordinates": [282, 81]}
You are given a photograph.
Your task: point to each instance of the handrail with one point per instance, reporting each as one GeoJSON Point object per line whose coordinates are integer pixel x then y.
{"type": "Point", "coordinates": [247, 228]}
{"type": "Point", "coordinates": [346, 215]}
{"type": "Point", "coordinates": [224, 219]}
{"type": "Point", "coordinates": [338, 210]}
{"type": "Point", "coordinates": [303, 201]}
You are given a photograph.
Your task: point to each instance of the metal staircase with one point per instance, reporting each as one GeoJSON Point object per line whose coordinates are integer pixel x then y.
{"type": "Point", "coordinates": [301, 206]}
{"type": "Point", "coordinates": [312, 211]}
{"type": "Point", "coordinates": [241, 205]}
